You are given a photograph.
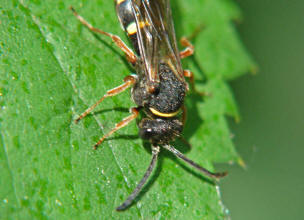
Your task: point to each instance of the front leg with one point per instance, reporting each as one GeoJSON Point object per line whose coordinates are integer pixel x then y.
{"type": "Point", "coordinates": [121, 124]}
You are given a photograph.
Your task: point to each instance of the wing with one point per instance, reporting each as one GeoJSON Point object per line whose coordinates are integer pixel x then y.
{"type": "Point", "coordinates": [150, 27]}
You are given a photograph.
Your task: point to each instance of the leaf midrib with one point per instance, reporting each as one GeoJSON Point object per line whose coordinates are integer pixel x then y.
{"type": "Point", "coordinates": [36, 21]}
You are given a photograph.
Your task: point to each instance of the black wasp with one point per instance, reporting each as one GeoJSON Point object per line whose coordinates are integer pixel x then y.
{"type": "Point", "coordinates": [159, 86]}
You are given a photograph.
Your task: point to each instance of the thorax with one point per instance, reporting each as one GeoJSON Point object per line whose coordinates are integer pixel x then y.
{"type": "Point", "coordinates": [167, 98]}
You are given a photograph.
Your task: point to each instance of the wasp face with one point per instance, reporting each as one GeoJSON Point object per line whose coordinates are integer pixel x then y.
{"type": "Point", "coordinates": [160, 130]}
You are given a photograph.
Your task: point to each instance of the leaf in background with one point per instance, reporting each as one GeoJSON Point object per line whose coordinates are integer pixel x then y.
{"type": "Point", "coordinates": [52, 68]}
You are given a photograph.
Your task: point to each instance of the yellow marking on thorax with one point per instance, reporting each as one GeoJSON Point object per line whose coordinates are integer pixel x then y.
{"type": "Point", "coordinates": [132, 28]}
{"type": "Point", "coordinates": [166, 115]}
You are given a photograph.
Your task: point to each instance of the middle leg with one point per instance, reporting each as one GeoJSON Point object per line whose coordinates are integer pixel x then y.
{"type": "Point", "coordinates": [129, 80]}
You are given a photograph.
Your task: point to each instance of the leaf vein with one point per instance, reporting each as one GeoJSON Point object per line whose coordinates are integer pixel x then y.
{"type": "Point", "coordinates": [9, 169]}
{"type": "Point", "coordinates": [48, 39]}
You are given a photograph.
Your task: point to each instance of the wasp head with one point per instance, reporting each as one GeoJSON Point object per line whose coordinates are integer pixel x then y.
{"type": "Point", "coordinates": [160, 130]}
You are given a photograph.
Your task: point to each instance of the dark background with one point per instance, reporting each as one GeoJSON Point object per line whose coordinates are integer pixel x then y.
{"type": "Point", "coordinates": [270, 134]}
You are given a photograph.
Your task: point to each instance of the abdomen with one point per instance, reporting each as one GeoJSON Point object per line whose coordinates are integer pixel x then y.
{"type": "Point", "coordinates": [127, 20]}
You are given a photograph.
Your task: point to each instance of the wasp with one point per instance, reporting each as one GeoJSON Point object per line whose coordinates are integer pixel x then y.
{"type": "Point", "coordinates": [158, 87]}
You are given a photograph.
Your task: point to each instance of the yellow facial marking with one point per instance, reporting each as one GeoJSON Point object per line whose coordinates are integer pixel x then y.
{"type": "Point", "coordinates": [166, 115]}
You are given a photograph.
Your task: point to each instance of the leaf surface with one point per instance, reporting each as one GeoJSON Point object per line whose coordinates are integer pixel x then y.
{"type": "Point", "coordinates": [52, 69]}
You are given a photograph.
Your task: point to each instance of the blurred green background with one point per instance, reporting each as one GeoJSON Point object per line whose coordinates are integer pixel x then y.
{"type": "Point", "coordinates": [270, 134]}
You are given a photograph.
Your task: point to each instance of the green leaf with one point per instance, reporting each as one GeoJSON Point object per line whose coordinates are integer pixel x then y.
{"type": "Point", "coordinates": [52, 69]}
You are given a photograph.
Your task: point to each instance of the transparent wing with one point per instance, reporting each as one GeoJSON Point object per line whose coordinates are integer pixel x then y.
{"type": "Point", "coordinates": [156, 37]}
